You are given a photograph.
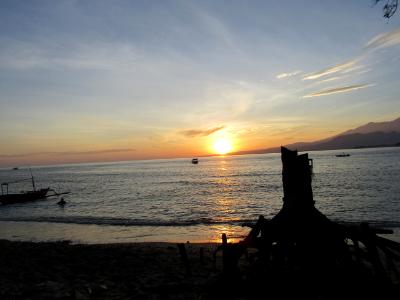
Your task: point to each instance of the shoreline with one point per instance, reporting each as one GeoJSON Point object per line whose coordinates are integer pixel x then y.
{"type": "Point", "coordinates": [111, 234]}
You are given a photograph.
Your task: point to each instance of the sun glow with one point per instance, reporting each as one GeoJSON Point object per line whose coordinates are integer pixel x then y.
{"type": "Point", "coordinates": [222, 146]}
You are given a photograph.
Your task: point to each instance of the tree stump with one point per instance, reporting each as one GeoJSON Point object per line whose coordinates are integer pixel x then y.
{"type": "Point", "coordinates": [303, 253]}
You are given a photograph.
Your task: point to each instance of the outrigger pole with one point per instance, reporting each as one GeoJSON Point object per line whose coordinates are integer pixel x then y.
{"type": "Point", "coordinates": [33, 181]}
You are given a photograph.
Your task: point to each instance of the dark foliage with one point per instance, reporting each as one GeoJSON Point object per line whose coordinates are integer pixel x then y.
{"type": "Point", "coordinates": [390, 7]}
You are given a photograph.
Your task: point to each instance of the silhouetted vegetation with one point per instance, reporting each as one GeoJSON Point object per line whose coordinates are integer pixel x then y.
{"type": "Point", "coordinates": [389, 8]}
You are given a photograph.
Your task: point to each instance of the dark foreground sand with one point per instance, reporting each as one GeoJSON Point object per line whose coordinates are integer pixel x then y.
{"type": "Point", "coordinates": [156, 271]}
{"type": "Point", "coordinates": [113, 271]}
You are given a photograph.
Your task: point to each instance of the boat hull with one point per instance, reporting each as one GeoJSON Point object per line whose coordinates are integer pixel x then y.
{"type": "Point", "coordinates": [24, 197]}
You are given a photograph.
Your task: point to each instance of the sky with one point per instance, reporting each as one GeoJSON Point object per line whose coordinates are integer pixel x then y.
{"type": "Point", "coordinates": [84, 81]}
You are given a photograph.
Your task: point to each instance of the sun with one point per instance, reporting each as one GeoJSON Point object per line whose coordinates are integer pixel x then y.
{"type": "Point", "coordinates": [222, 146]}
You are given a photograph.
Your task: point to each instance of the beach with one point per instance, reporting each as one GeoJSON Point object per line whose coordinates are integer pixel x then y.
{"type": "Point", "coordinates": [110, 271]}
{"type": "Point", "coordinates": [61, 270]}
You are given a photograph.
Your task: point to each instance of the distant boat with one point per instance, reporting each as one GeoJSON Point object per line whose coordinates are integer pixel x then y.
{"type": "Point", "coordinates": [15, 168]}
{"type": "Point", "coordinates": [7, 198]}
{"type": "Point", "coordinates": [342, 155]}
{"type": "Point", "coordinates": [195, 161]}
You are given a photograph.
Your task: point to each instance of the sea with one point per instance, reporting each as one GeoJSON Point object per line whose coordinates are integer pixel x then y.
{"type": "Point", "coordinates": [173, 200]}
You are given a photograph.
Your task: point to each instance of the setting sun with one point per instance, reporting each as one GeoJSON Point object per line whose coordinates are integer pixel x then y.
{"type": "Point", "coordinates": [222, 146]}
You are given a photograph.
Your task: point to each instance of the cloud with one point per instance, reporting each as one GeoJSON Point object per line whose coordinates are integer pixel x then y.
{"type": "Point", "coordinates": [364, 71]}
{"type": "Point", "coordinates": [381, 41]}
{"type": "Point", "coordinates": [343, 68]}
{"type": "Point", "coordinates": [338, 90]}
{"type": "Point", "coordinates": [20, 55]}
{"type": "Point", "coordinates": [384, 40]}
{"type": "Point", "coordinates": [201, 132]}
{"type": "Point", "coordinates": [290, 74]}
{"type": "Point", "coordinates": [330, 79]}
{"type": "Point", "coordinates": [66, 153]}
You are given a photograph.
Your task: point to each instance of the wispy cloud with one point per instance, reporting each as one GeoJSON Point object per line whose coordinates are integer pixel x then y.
{"type": "Point", "coordinates": [330, 79]}
{"type": "Point", "coordinates": [201, 132]}
{"type": "Point", "coordinates": [66, 153]}
{"type": "Point", "coordinates": [337, 90]}
{"type": "Point", "coordinates": [290, 74]}
{"type": "Point", "coordinates": [381, 41]}
{"type": "Point", "coordinates": [33, 55]}
{"type": "Point", "coordinates": [364, 71]}
{"type": "Point", "coordinates": [352, 69]}
{"type": "Point", "coordinates": [384, 40]}
{"type": "Point", "coordinates": [331, 70]}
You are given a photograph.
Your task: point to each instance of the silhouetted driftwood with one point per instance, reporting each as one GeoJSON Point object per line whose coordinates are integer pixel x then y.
{"type": "Point", "coordinates": [300, 249]}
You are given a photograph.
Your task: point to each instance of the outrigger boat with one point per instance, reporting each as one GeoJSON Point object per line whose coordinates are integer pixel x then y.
{"type": "Point", "coordinates": [7, 198]}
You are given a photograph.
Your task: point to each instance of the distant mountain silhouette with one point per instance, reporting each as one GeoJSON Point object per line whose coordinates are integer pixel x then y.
{"type": "Point", "coordinates": [354, 140]}
{"type": "Point", "coordinates": [375, 127]}
{"type": "Point", "coordinates": [379, 134]}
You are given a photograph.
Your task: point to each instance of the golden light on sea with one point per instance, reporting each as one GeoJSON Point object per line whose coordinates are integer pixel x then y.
{"type": "Point", "coordinates": [222, 146]}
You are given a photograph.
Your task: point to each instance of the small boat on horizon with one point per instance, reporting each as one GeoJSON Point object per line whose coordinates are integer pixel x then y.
{"type": "Point", "coordinates": [195, 161]}
{"type": "Point", "coordinates": [342, 155]}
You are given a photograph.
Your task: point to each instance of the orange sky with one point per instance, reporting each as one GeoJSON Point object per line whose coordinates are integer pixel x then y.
{"type": "Point", "coordinates": [199, 142]}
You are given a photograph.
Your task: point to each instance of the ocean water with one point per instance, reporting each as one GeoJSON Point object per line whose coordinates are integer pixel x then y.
{"type": "Point", "coordinates": [174, 200]}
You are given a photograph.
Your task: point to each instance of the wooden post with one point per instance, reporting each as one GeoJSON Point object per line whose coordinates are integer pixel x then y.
{"type": "Point", "coordinates": [370, 244]}
{"type": "Point", "coordinates": [224, 239]}
{"type": "Point", "coordinates": [296, 178]}
{"type": "Point", "coordinates": [201, 255]}
{"type": "Point", "coordinates": [184, 257]}
{"type": "Point", "coordinates": [225, 254]}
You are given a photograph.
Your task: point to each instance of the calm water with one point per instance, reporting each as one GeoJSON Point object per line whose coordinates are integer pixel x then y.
{"type": "Point", "coordinates": [174, 200]}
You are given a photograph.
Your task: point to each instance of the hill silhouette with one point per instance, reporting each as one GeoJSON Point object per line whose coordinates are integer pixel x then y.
{"type": "Point", "coordinates": [373, 134]}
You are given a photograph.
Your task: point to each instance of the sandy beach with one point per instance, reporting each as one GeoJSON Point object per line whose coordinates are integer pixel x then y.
{"type": "Point", "coordinates": [60, 270]}
{"type": "Point", "coordinates": [110, 271]}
